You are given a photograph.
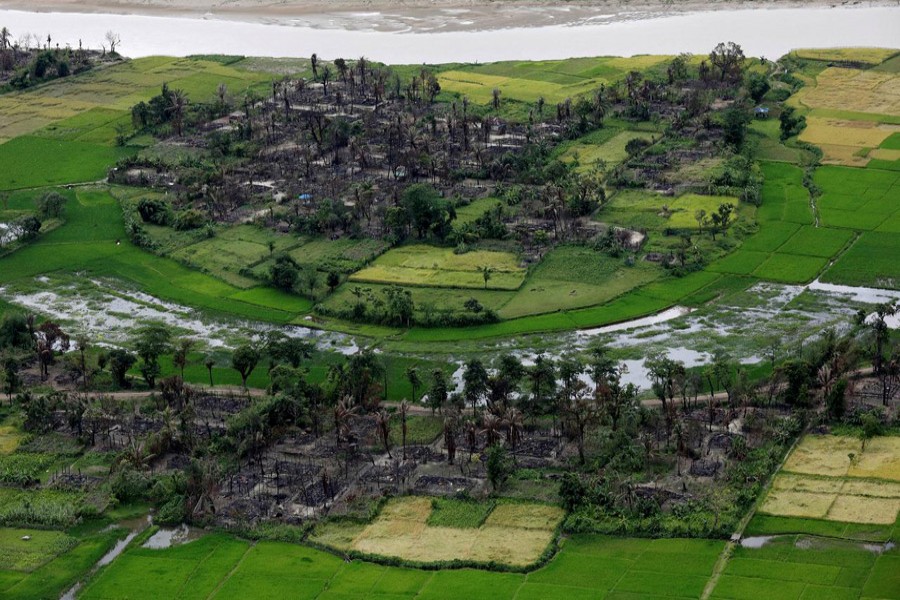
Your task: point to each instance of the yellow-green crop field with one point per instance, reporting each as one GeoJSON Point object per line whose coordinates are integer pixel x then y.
{"type": "Point", "coordinates": [611, 152]}
{"type": "Point", "coordinates": [552, 80]}
{"type": "Point", "coordinates": [867, 56]}
{"type": "Point", "coordinates": [440, 267]}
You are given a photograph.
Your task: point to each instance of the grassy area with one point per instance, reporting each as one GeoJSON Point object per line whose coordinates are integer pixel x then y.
{"type": "Point", "coordinates": [93, 241]}
{"type": "Point", "coordinates": [587, 567]}
{"type": "Point", "coordinates": [419, 430]}
{"type": "Point", "coordinates": [610, 151]}
{"type": "Point", "coordinates": [554, 80]}
{"type": "Point", "coordinates": [26, 555]}
{"type": "Point", "coordinates": [58, 571]}
{"type": "Point", "coordinates": [799, 568]}
{"type": "Point", "coordinates": [420, 265]}
{"type": "Point", "coordinates": [34, 162]}
{"type": "Point", "coordinates": [461, 514]}
{"type": "Point", "coordinates": [571, 277]}
{"type": "Point", "coordinates": [233, 250]}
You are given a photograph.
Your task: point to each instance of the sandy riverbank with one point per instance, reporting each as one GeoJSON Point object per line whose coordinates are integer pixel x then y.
{"type": "Point", "coordinates": [419, 16]}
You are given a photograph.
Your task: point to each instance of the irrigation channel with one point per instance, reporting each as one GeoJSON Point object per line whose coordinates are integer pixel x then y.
{"type": "Point", "coordinates": [770, 33]}
{"type": "Point", "coordinates": [743, 325]}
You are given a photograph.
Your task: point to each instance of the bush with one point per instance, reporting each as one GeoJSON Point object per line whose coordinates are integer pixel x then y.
{"type": "Point", "coordinates": [154, 211]}
{"type": "Point", "coordinates": [23, 469]}
{"type": "Point", "coordinates": [189, 219]}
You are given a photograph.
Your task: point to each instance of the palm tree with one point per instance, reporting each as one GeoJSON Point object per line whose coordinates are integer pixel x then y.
{"type": "Point", "coordinates": [180, 356]}
{"type": "Point", "coordinates": [451, 421]}
{"type": "Point", "coordinates": [383, 425]}
{"type": "Point", "coordinates": [404, 412]}
{"type": "Point", "coordinates": [515, 423]}
{"type": "Point", "coordinates": [178, 102]}
{"type": "Point", "coordinates": [343, 414]}
{"type": "Point", "coordinates": [486, 273]}
{"type": "Point", "coordinates": [210, 363]}
{"type": "Point", "coordinates": [221, 93]}
{"type": "Point", "coordinates": [326, 75]}
{"type": "Point", "coordinates": [412, 375]}
{"type": "Point", "coordinates": [493, 425]}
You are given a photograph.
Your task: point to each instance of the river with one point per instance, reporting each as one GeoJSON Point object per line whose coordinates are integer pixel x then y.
{"type": "Point", "coordinates": [770, 33]}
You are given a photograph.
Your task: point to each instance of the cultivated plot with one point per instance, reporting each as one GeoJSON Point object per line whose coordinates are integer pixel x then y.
{"type": "Point", "coordinates": [837, 478]}
{"type": "Point", "coordinates": [514, 534]}
{"type": "Point", "coordinates": [441, 267]}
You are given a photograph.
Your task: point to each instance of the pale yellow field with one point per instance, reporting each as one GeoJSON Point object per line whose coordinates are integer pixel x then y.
{"type": "Point", "coordinates": [865, 134]}
{"type": "Point", "coordinates": [514, 534]}
{"type": "Point", "coordinates": [854, 90]}
{"type": "Point", "coordinates": [800, 483]}
{"type": "Point", "coordinates": [885, 154]}
{"type": "Point", "coordinates": [786, 503]}
{"type": "Point", "coordinates": [831, 477]}
{"type": "Point", "coordinates": [862, 509]}
{"type": "Point", "coordinates": [869, 56]}
{"type": "Point", "coordinates": [823, 455]}
{"type": "Point", "coordinates": [843, 141]}
{"type": "Point", "coordinates": [880, 460]}
{"type": "Point", "coordinates": [881, 489]}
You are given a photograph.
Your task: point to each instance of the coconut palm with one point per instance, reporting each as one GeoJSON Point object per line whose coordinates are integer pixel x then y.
{"type": "Point", "coordinates": [383, 425]}
{"type": "Point", "coordinates": [404, 412]}
{"type": "Point", "coordinates": [178, 102]}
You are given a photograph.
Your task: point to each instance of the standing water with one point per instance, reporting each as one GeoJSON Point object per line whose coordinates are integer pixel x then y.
{"type": "Point", "coordinates": [770, 33]}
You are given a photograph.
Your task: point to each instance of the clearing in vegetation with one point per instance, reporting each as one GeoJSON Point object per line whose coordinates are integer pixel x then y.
{"type": "Point", "coordinates": [417, 529]}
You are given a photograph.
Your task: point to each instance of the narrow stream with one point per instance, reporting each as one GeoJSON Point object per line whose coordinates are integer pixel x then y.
{"type": "Point", "coordinates": [136, 526]}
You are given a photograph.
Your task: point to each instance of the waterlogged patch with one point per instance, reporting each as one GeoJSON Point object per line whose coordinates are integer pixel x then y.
{"type": "Point", "coordinates": [110, 313]}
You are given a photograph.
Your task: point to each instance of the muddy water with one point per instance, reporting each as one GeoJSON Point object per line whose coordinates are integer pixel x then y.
{"type": "Point", "coordinates": [769, 33]}
{"type": "Point", "coordinates": [168, 537]}
{"type": "Point", "coordinates": [110, 313]}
